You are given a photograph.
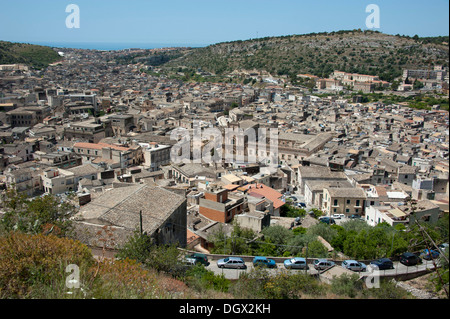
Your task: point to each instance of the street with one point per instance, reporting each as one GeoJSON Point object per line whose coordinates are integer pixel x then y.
{"type": "Point", "coordinates": [399, 269]}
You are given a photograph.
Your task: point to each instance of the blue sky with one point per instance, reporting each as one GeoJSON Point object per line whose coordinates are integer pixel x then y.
{"type": "Point", "coordinates": [200, 22]}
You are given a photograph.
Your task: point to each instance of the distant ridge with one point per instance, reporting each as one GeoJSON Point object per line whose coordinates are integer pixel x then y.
{"type": "Point", "coordinates": [36, 56]}
{"type": "Point", "coordinates": [354, 51]}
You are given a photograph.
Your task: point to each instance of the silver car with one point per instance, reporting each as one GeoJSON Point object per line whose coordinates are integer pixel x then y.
{"type": "Point", "coordinates": [354, 265]}
{"type": "Point", "coordinates": [231, 262]}
{"type": "Point", "coordinates": [322, 264]}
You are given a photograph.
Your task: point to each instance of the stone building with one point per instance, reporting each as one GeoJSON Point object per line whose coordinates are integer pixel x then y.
{"type": "Point", "coordinates": [120, 210]}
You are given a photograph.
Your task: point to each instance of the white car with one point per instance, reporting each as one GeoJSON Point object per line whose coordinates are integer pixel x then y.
{"type": "Point", "coordinates": [336, 216]}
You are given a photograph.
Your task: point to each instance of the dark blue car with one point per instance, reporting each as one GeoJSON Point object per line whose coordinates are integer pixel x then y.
{"type": "Point", "coordinates": [382, 264]}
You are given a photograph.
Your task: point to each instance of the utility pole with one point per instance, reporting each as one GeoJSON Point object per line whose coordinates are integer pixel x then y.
{"type": "Point", "coordinates": [306, 259]}
{"type": "Point", "coordinates": [140, 223]}
{"type": "Point", "coordinates": [422, 231]}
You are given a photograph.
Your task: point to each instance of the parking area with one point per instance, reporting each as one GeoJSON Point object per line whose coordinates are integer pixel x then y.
{"type": "Point", "coordinates": [233, 274]}
{"type": "Point", "coordinates": [399, 269]}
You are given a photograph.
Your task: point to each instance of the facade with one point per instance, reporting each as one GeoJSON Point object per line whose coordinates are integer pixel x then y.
{"type": "Point", "coordinates": [56, 180]}
{"type": "Point", "coordinates": [115, 155]}
{"type": "Point", "coordinates": [91, 131]}
{"type": "Point", "coordinates": [403, 213]}
{"type": "Point", "coordinates": [218, 206]}
{"type": "Point", "coordinates": [23, 180]}
{"type": "Point", "coordinates": [270, 195]}
{"type": "Point", "coordinates": [345, 201]}
{"type": "Point", "coordinates": [26, 116]}
{"type": "Point", "coordinates": [61, 159]}
{"type": "Point", "coordinates": [190, 173]}
{"type": "Point", "coordinates": [121, 124]}
{"type": "Point", "coordinates": [155, 155]}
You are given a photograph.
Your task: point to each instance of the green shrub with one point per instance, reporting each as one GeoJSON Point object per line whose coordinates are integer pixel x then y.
{"type": "Point", "coordinates": [30, 261]}
{"type": "Point", "coordinates": [201, 279]}
{"type": "Point", "coordinates": [347, 285]}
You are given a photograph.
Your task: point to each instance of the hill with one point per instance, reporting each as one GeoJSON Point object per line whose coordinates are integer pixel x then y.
{"type": "Point", "coordinates": [36, 56]}
{"type": "Point", "coordinates": [365, 52]}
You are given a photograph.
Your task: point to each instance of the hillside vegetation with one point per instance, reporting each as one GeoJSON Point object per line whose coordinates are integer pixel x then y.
{"type": "Point", "coordinates": [35, 254]}
{"type": "Point", "coordinates": [365, 52]}
{"type": "Point", "coordinates": [36, 56]}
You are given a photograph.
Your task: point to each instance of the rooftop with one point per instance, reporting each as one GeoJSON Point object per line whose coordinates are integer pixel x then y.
{"type": "Point", "coordinates": [121, 206]}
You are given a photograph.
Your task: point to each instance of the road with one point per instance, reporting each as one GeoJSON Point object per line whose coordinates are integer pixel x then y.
{"type": "Point", "coordinates": [399, 269]}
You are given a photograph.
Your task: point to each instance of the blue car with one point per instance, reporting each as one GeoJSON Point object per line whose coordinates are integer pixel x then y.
{"type": "Point", "coordinates": [264, 262]}
{"type": "Point", "coordinates": [295, 263]}
{"type": "Point", "coordinates": [427, 255]}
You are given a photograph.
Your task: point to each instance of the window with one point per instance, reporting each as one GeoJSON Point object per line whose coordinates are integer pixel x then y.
{"type": "Point", "coordinates": [348, 201]}
{"type": "Point", "coordinates": [347, 210]}
{"type": "Point", "coordinates": [334, 210]}
{"type": "Point", "coordinates": [335, 202]}
{"type": "Point", "coordinates": [372, 202]}
{"type": "Point", "coordinates": [357, 202]}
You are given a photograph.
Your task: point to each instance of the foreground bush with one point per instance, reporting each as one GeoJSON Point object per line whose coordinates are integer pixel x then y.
{"type": "Point", "coordinates": [34, 266]}
{"type": "Point", "coordinates": [29, 261]}
{"type": "Point", "coordinates": [259, 284]}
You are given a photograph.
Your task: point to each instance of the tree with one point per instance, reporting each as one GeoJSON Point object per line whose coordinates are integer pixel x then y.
{"type": "Point", "coordinates": [137, 247]}
{"type": "Point", "coordinates": [163, 258]}
{"type": "Point", "coordinates": [418, 85]}
{"type": "Point", "coordinates": [324, 230]}
{"type": "Point", "coordinates": [237, 243]}
{"type": "Point", "coordinates": [317, 250]}
{"type": "Point", "coordinates": [277, 235]}
{"type": "Point", "coordinates": [46, 214]}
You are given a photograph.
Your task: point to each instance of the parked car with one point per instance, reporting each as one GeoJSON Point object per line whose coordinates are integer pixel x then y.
{"type": "Point", "coordinates": [410, 259]}
{"type": "Point", "coordinates": [199, 258]}
{"type": "Point", "coordinates": [354, 265]}
{"type": "Point", "coordinates": [322, 264]}
{"type": "Point", "coordinates": [443, 246]}
{"type": "Point", "coordinates": [355, 216]}
{"type": "Point", "coordinates": [231, 262]}
{"type": "Point", "coordinates": [382, 264]}
{"type": "Point", "coordinates": [327, 220]}
{"type": "Point", "coordinates": [295, 263]}
{"type": "Point", "coordinates": [189, 261]}
{"type": "Point", "coordinates": [301, 204]}
{"type": "Point", "coordinates": [337, 216]}
{"type": "Point", "coordinates": [427, 255]}
{"type": "Point", "coordinates": [298, 220]}
{"type": "Point", "coordinates": [342, 215]}
{"type": "Point", "coordinates": [264, 262]}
